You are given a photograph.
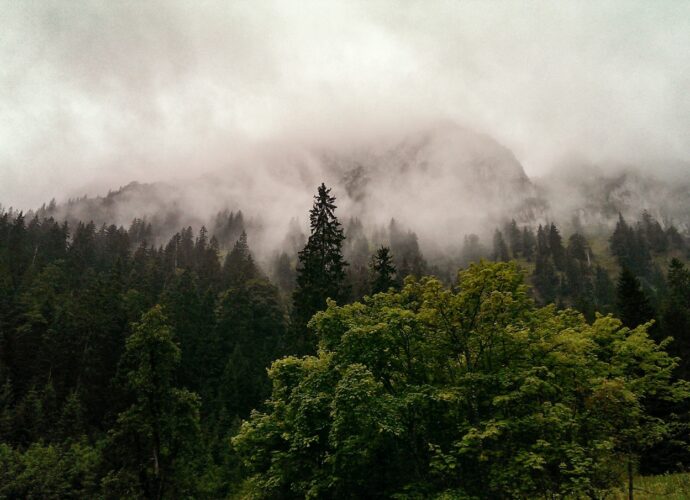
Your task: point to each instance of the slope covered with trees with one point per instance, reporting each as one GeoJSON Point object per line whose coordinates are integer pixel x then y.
{"type": "Point", "coordinates": [128, 365]}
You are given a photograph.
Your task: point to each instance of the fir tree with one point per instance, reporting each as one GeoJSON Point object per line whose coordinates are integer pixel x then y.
{"type": "Point", "coordinates": [529, 242]}
{"type": "Point", "coordinates": [321, 268]}
{"type": "Point", "coordinates": [631, 302]}
{"type": "Point", "coordinates": [239, 265]}
{"type": "Point", "coordinates": [675, 315]}
{"type": "Point", "coordinates": [472, 250]}
{"type": "Point", "coordinates": [383, 271]}
{"type": "Point", "coordinates": [556, 247]}
{"type": "Point", "coordinates": [604, 293]}
{"type": "Point", "coordinates": [500, 252]}
{"type": "Point", "coordinates": [514, 239]}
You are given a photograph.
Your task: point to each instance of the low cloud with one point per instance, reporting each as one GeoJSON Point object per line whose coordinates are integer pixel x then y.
{"type": "Point", "coordinates": [96, 94]}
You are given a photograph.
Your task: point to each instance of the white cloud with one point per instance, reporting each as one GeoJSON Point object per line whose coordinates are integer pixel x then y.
{"type": "Point", "coordinates": [95, 94]}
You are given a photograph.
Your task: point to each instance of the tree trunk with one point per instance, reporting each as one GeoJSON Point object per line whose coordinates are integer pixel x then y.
{"type": "Point", "coordinates": [631, 493]}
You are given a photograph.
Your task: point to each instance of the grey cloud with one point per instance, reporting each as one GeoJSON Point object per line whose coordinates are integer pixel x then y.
{"type": "Point", "coordinates": [95, 94]}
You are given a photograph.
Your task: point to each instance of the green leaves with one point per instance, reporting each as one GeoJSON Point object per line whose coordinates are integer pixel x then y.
{"type": "Point", "coordinates": [473, 391]}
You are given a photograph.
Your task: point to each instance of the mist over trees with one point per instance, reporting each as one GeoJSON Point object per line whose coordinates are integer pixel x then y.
{"type": "Point", "coordinates": [344, 249]}
{"type": "Point", "coordinates": [130, 369]}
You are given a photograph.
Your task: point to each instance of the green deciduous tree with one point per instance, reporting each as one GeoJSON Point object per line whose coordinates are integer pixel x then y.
{"type": "Point", "coordinates": [469, 393]}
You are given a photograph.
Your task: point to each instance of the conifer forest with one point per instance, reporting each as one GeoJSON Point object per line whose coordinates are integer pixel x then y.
{"type": "Point", "coordinates": [344, 250]}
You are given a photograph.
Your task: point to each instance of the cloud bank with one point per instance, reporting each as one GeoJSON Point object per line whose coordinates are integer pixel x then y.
{"type": "Point", "coordinates": [96, 94]}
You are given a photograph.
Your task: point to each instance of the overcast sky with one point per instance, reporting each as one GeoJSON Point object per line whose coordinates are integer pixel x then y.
{"type": "Point", "coordinates": [96, 94]}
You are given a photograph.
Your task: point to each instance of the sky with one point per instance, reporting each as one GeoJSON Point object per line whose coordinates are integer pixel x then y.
{"type": "Point", "coordinates": [94, 94]}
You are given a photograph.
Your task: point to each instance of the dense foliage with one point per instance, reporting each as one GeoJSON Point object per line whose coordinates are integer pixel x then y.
{"type": "Point", "coordinates": [466, 392]}
{"type": "Point", "coordinates": [129, 359]}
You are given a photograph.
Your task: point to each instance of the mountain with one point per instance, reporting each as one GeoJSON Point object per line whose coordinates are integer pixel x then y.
{"type": "Point", "coordinates": [443, 182]}
{"type": "Point", "coordinates": [595, 199]}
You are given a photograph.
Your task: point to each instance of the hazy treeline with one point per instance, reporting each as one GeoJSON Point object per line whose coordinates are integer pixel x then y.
{"type": "Point", "coordinates": [126, 368]}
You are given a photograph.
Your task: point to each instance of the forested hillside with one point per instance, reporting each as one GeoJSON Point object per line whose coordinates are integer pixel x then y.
{"type": "Point", "coordinates": [135, 369]}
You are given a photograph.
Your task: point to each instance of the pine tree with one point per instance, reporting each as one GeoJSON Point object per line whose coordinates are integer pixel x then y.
{"type": "Point", "coordinates": [542, 243]}
{"type": "Point", "coordinates": [157, 438]}
{"type": "Point", "coordinates": [529, 243]}
{"type": "Point", "coordinates": [556, 247]}
{"type": "Point", "coordinates": [239, 265]}
{"type": "Point", "coordinates": [283, 274]}
{"type": "Point", "coordinates": [514, 238]}
{"type": "Point", "coordinates": [604, 293]}
{"type": "Point", "coordinates": [383, 271]}
{"type": "Point", "coordinates": [675, 315]}
{"type": "Point", "coordinates": [620, 241]}
{"type": "Point", "coordinates": [500, 252]}
{"type": "Point", "coordinates": [472, 250]}
{"type": "Point", "coordinates": [654, 233]}
{"type": "Point", "coordinates": [632, 305]}
{"type": "Point", "coordinates": [321, 268]}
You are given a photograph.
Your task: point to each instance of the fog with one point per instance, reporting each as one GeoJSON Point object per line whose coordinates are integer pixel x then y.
{"type": "Point", "coordinates": [252, 104]}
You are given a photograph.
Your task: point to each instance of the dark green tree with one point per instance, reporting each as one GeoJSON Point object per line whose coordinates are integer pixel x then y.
{"type": "Point", "coordinates": [529, 243]}
{"type": "Point", "coordinates": [500, 252]}
{"type": "Point", "coordinates": [604, 290]}
{"type": "Point", "coordinates": [250, 333]}
{"type": "Point", "coordinates": [155, 442]}
{"type": "Point", "coordinates": [556, 247]}
{"type": "Point", "coordinates": [321, 268]}
{"type": "Point", "coordinates": [383, 271]}
{"type": "Point", "coordinates": [515, 239]}
{"type": "Point", "coordinates": [675, 315]}
{"type": "Point", "coordinates": [239, 265]}
{"type": "Point", "coordinates": [632, 305]}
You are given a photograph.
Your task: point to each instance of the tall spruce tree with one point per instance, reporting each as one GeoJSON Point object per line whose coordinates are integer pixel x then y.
{"type": "Point", "coordinates": [631, 302]}
{"type": "Point", "coordinates": [383, 271]}
{"type": "Point", "coordinates": [321, 268]}
{"type": "Point", "coordinates": [675, 315]}
{"type": "Point", "coordinates": [500, 252]}
{"type": "Point", "coordinates": [239, 265]}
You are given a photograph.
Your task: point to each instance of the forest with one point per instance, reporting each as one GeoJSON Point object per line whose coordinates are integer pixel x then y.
{"type": "Point", "coordinates": [346, 366]}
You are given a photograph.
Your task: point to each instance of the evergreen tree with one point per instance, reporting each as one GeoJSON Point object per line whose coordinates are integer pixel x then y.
{"type": "Point", "coordinates": [500, 252]}
{"type": "Point", "coordinates": [578, 248]}
{"type": "Point", "coordinates": [542, 246]}
{"type": "Point", "coordinates": [546, 279]}
{"type": "Point", "coordinates": [383, 271]}
{"type": "Point", "coordinates": [556, 247]}
{"type": "Point", "coordinates": [675, 315]}
{"type": "Point", "coordinates": [529, 243]}
{"type": "Point", "coordinates": [604, 290]}
{"type": "Point", "coordinates": [675, 240]}
{"type": "Point", "coordinates": [405, 247]}
{"type": "Point", "coordinates": [321, 269]}
{"type": "Point", "coordinates": [655, 235]}
{"type": "Point", "coordinates": [515, 239]}
{"type": "Point", "coordinates": [632, 304]}
{"type": "Point", "coordinates": [250, 332]}
{"type": "Point", "coordinates": [239, 265]}
{"type": "Point", "coordinates": [630, 248]}
{"type": "Point", "coordinates": [283, 274]}
{"type": "Point", "coordinates": [472, 250]}
{"type": "Point", "coordinates": [156, 440]}
{"type": "Point", "coordinates": [620, 241]}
